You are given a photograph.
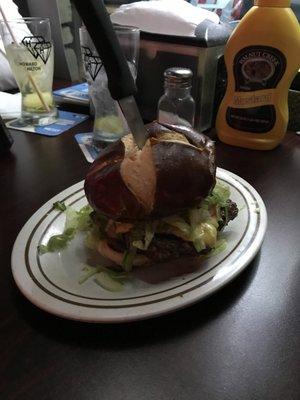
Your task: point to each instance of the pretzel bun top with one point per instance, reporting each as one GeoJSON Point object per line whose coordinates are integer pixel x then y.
{"type": "Point", "coordinates": [175, 170]}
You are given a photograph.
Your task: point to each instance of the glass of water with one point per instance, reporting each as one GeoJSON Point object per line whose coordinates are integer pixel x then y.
{"type": "Point", "coordinates": [29, 50]}
{"type": "Point", "coordinates": [109, 123]}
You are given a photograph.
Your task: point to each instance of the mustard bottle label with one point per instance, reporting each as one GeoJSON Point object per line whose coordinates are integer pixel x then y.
{"type": "Point", "coordinates": [257, 72]}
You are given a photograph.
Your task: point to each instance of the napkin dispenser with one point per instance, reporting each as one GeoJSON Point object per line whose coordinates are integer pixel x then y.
{"type": "Point", "coordinates": [202, 54]}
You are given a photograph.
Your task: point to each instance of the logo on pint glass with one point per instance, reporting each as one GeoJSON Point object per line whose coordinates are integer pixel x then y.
{"type": "Point", "coordinates": [38, 47]}
{"type": "Point", "coordinates": [92, 63]}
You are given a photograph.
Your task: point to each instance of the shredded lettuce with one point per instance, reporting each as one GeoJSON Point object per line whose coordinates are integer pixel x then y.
{"type": "Point", "coordinates": [57, 242]}
{"type": "Point", "coordinates": [144, 243]}
{"type": "Point", "coordinates": [59, 205]}
{"type": "Point", "coordinates": [219, 195]}
{"type": "Point", "coordinates": [83, 218]}
{"type": "Point", "coordinates": [78, 220]}
{"type": "Point", "coordinates": [71, 221]}
{"type": "Point", "coordinates": [92, 238]}
{"type": "Point", "coordinates": [105, 277]}
{"type": "Point", "coordinates": [105, 280]}
{"type": "Point", "coordinates": [219, 247]}
{"type": "Point", "coordinates": [75, 221]}
{"type": "Point", "coordinates": [218, 199]}
{"type": "Point", "coordinates": [88, 273]}
{"type": "Point", "coordinates": [128, 259]}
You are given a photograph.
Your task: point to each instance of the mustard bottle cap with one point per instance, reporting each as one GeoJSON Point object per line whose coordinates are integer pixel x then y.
{"type": "Point", "coordinates": [272, 3]}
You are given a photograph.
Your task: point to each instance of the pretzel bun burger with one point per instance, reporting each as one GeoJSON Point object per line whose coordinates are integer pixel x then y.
{"type": "Point", "coordinates": [158, 203]}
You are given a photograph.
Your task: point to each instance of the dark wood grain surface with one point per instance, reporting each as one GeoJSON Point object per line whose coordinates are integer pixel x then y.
{"type": "Point", "coordinates": [240, 344]}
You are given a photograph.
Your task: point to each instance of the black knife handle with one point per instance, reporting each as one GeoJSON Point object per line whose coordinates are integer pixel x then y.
{"type": "Point", "coordinates": [97, 21]}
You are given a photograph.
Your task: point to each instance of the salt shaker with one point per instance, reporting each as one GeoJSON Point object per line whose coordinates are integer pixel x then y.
{"type": "Point", "coordinates": [177, 106]}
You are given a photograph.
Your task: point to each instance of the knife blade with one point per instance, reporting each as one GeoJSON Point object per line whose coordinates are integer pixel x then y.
{"type": "Point", "coordinates": [120, 81]}
{"type": "Point", "coordinates": [134, 120]}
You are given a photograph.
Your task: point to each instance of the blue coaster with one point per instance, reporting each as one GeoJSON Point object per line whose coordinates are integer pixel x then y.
{"type": "Point", "coordinates": [65, 121]}
{"type": "Point", "coordinates": [85, 141]}
{"type": "Point", "coordinates": [79, 91]}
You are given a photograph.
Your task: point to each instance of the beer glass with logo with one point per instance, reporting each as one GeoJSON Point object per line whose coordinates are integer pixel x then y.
{"type": "Point", "coordinates": [29, 50]}
{"type": "Point", "coordinates": [109, 123]}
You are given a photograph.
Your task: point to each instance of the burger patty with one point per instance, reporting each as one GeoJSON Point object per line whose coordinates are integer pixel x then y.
{"type": "Point", "coordinates": [165, 247]}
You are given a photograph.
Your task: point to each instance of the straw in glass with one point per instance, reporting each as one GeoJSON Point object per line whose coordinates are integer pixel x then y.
{"type": "Point", "coordinates": [31, 79]}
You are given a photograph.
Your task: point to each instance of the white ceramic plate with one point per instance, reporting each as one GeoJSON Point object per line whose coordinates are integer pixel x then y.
{"type": "Point", "coordinates": [50, 281]}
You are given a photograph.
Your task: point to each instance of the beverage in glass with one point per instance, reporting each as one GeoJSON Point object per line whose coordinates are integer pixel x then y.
{"type": "Point", "coordinates": [30, 54]}
{"type": "Point", "coordinates": [109, 123]}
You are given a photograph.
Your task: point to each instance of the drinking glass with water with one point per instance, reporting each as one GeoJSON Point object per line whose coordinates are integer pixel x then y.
{"type": "Point", "coordinates": [109, 123]}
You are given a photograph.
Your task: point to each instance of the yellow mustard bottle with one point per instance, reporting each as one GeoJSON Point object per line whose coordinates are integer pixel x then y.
{"type": "Point", "coordinates": [262, 57]}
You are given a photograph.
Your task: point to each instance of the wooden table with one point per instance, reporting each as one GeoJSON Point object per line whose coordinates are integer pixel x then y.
{"type": "Point", "coordinates": [240, 344]}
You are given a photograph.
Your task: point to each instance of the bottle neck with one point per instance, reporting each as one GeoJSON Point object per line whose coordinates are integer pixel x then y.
{"type": "Point", "coordinates": [177, 92]}
{"type": "Point", "coordinates": [272, 3]}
